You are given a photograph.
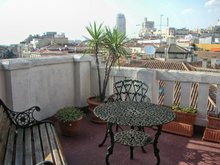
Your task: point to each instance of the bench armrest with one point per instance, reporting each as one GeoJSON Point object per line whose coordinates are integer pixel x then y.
{"type": "Point", "coordinates": [25, 118]}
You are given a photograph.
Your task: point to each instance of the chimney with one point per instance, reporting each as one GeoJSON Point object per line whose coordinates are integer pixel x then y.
{"type": "Point", "coordinates": [204, 62]}
{"type": "Point", "coordinates": [189, 58]}
{"type": "Point", "coordinates": [213, 61]}
{"type": "Point", "coordinates": [166, 53]}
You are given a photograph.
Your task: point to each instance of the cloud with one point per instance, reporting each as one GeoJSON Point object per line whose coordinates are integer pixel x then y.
{"type": "Point", "coordinates": [212, 3]}
{"type": "Point", "coordinates": [187, 11]}
{"type": "Point", "coordinates": [213, 6]}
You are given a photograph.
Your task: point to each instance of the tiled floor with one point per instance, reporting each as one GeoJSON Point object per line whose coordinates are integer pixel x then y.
{"type": "Point", "coordinates": [82, 149]}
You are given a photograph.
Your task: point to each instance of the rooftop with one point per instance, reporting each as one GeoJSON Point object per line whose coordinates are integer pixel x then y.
{"type": "Point", "coordinates": [55, 82]}
{"type": "Point", "coordinates": [172, 48]}
{"type": "Point", "coordinates": [156, 64]}
{"type": "Point", "coordinates": [83, 149]}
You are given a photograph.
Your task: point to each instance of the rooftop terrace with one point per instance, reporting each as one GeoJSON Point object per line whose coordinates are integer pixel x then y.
{"type": "Point", "coordinates": [83, 149]}
{"type": "Point", "coordinates": [55, 82]}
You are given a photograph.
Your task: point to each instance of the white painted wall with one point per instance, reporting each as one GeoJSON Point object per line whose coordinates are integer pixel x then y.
{"type": "Point", "coordinates": [152, 77]}
{"type": "Point", "coordinates": [50, 83]}
{"type": "Point", "coordinates": [2, 85]}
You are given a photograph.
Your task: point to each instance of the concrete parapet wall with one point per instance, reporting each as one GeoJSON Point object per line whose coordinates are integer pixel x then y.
{"type": "Point", "coordinates": [50, 83]}
{"type": "Point", "coordinates": [186, 78]}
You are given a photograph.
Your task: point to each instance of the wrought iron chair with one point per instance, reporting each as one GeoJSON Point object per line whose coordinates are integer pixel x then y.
{"type": "Point", "coordinates": [128, 90]}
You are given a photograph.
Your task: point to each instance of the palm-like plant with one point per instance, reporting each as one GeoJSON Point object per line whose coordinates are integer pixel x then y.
{"type": "Point", "coordinates": [109, 43]}
{"type": "Point", "coordinates": [97, 35]}
{"type": "Point", "coordinates": [114, 44]}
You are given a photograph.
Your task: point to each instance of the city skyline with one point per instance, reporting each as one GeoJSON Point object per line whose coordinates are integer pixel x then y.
{"type": "Point", "coordinates": [21, 18]}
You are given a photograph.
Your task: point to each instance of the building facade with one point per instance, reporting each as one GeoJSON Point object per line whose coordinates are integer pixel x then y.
{"type": "Point", "coordinates": [121, 23]}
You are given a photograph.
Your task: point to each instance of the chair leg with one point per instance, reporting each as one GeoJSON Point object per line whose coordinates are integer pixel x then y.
{"type": "Point", "coordinates": [131, 152]}
{"type": "Point", "coordinates": [106, 135]}
{"type": "Point", "coordinates": [143, 150]}
{"type": "Point", "coordinates": [142, 129]}
{"type": "Point", "coordinates": [117, 128]}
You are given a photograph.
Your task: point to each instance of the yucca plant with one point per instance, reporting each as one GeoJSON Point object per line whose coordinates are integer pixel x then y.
{"type": "Point", "coordinates": [109, 43]}
{"type": "Point", "coordinates": [97, 35]}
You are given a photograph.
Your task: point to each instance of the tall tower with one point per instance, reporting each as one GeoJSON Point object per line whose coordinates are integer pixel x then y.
{"type": "Point", "coordinates": [121, 23]}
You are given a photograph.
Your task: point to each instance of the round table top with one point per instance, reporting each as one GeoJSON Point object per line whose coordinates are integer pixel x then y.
{"type": "Point", "coordinates": [134, 113]}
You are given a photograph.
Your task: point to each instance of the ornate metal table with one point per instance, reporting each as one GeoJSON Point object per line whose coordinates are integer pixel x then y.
{"type": "Point", "coordinates": [135, 114]}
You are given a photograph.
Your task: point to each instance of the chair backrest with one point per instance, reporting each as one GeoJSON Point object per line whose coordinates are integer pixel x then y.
{"type": "Point", "coordinates": [130, 90]}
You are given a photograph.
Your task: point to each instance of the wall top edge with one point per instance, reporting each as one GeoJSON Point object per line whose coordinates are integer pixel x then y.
{"type": "Point", "coordinates": [22, 63]}
{"type": "Point", "coordinates": [189, 76]}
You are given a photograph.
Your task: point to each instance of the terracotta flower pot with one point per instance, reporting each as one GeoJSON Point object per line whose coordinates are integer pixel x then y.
{"type": "Point", "coordinates": [187, 118]}
{"type": "Point", "coordinates": [182, 125]}
{"type": "Point", "coordinates": [212, 131]}
{"type": "Point", "coordinates": [93, 102]}
{"type": "Point", "coordinates": [213, 122]}
{"type": "Point", "coordinates": [69, 128]}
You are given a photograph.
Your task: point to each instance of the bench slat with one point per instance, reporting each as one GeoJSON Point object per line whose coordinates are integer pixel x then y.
{"type": "Point", "coordinates": [45, 143]}
{"type": "Point", "coordinates": [53, 143]}
{"type": "Point", "coordinates": [4, 127]}
{"type": "Point", "coordinates": [59, 146]}
{"type": "Point", "coordinates": [19, 147]}
{"type": "Point", "coordinates": [10, 146]}
{"type": "Point", "coordinates": [37, 145]}
{"type": "Point", "coordinates": [28, 147]}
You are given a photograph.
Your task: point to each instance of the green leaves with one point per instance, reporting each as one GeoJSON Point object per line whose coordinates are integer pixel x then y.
{"type": "Point", "coordinates": [96, 33]}
{"type": "Point", "coordinates": [109, 43]}
{"type": "Point", "coordinates": [189, 109]}
{"type": "Point", "coordinates": [115, 41]}
{"type": "Point", "coordinates": [68, 114]}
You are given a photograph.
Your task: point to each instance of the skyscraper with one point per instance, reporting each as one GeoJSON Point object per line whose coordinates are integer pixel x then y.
{"type": "Point", "coordinates": [121, 23]}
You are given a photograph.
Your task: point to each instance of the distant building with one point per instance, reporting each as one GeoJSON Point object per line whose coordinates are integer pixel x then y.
{"type": "Point", "coordinates": [147, 28]}
{"type": "Point", "coordinates": [172, 52]}
{"type": "Point", "coordinates": [148, 25]}
{"type": "Point", "coordinates": [170, 31]}
{"type": "Point", "coordinates": [206, 40]}
{"type": "Point", "coordinates": [182, 31]}
{"type": "Point", "coordinates": [50, 34]}
{"type": "Point", "coordinates": [121, 23]}
{"type": "Point", "coordinates": [216, 33]}
{"type": "Point", "coordinates": [52, 38]}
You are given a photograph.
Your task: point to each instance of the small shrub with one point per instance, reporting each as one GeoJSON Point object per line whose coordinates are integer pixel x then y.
{"type": "Point", "coordinates": [190, 109]}
{"type": "Point", "coordinates": [68, 114]}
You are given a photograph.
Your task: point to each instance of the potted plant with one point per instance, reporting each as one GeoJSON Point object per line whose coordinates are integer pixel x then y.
{"type": "Point", "coordinates": [212, 131]}
{"type": "Point", "coordinates": [185, 115]}
{"type": "Point", "coordinates": [69, 120]}
{"type": "Point", "coordinates": [108, 43]}
{"type": "Point", "coordinates": [213, 120]}
{"type": "Point", "coordinates": [184, 122]}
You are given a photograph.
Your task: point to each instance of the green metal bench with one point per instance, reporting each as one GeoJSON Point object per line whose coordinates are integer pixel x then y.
{"type": "Point", "coordinates": [25, 140]}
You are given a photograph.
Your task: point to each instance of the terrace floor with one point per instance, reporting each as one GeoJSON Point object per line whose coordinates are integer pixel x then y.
{"type": "Point", "coordinates": [82, 149]}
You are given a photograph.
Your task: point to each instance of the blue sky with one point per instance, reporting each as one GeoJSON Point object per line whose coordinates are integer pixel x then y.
{"type": "Point", "coordinates": [19, 18]}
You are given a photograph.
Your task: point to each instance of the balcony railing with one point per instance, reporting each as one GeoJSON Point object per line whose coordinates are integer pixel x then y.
{"type": "Point", "coordinates": [54, 82]}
